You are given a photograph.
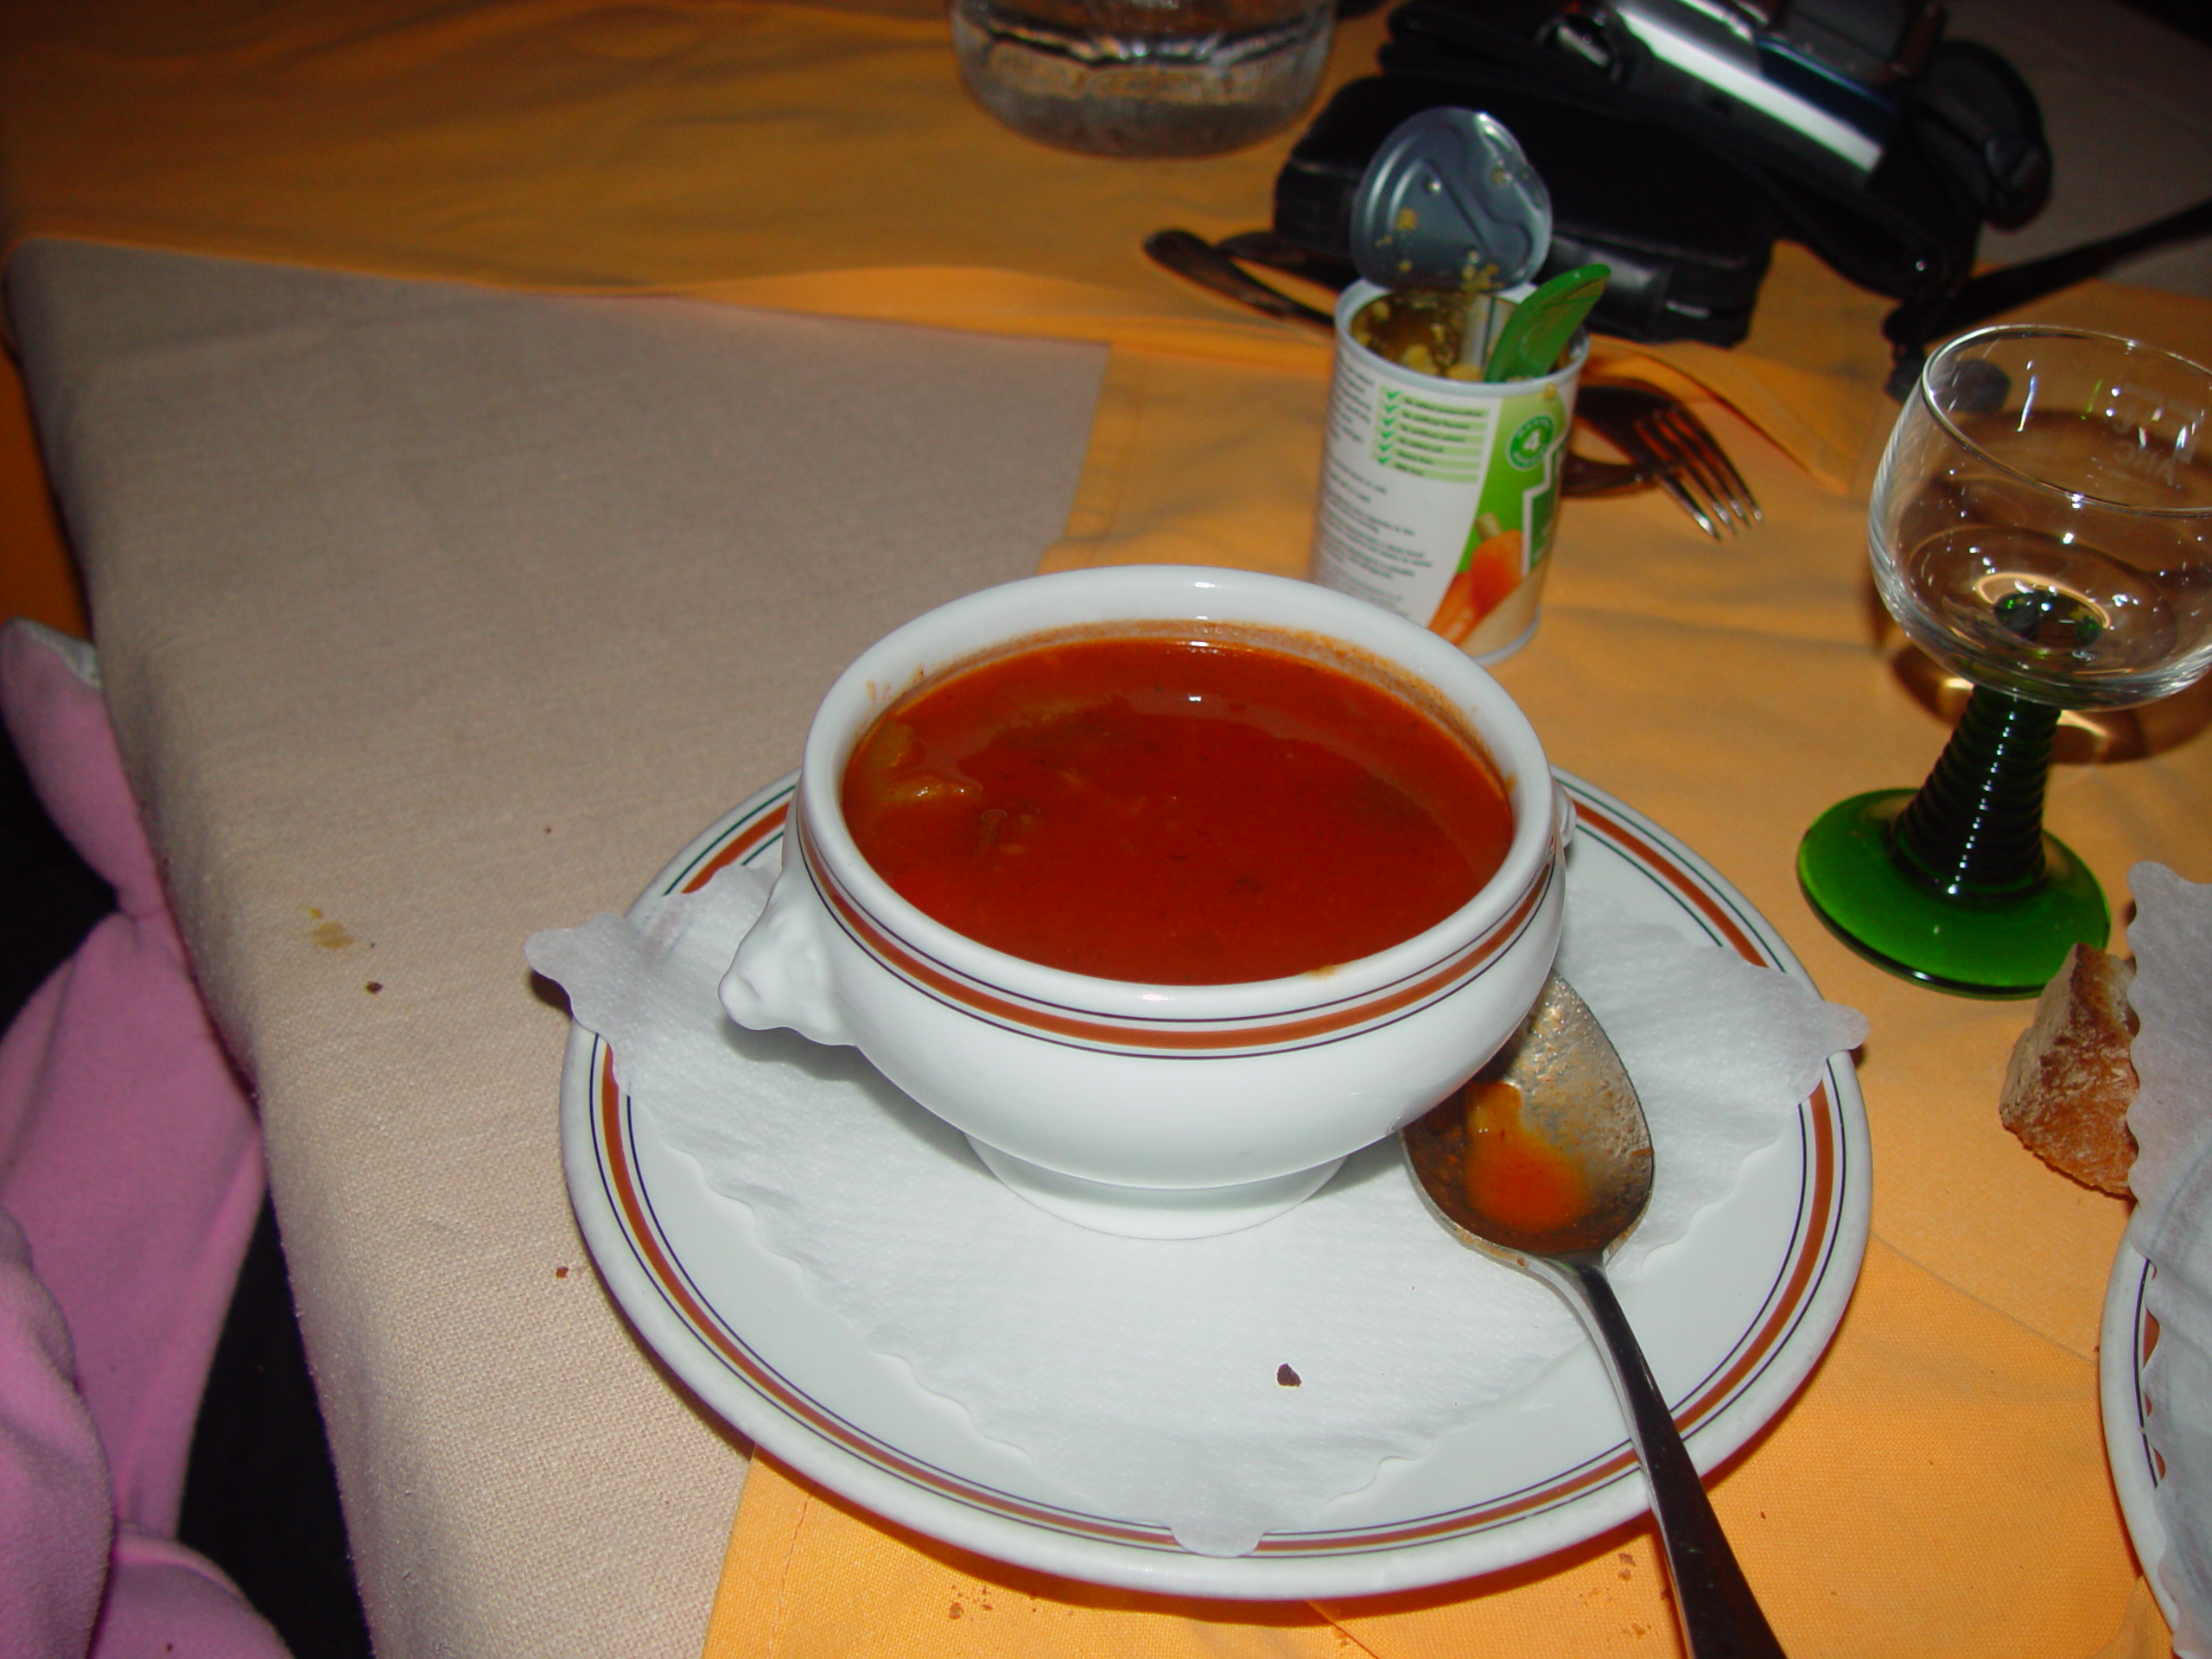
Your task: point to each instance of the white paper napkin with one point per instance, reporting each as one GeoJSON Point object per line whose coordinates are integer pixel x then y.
{"type": "Point", "coordinates": [2171, 1119]}
{"type": "Point", "coordinates": [1144, 1374]}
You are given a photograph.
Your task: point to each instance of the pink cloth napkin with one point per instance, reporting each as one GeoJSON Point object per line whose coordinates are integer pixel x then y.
{"type": "Point", "coordinates": [131, 1176]}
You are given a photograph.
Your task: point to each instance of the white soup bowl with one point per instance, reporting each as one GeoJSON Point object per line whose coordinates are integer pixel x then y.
{"type": "Point", "coordinates": [1160, 1111]}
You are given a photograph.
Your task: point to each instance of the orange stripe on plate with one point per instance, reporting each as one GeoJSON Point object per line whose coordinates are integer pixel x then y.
{"type": "Point", "coordinates": [1709, 907]}
{"type": "Point", "coordinates": [768, 823]}
{"type": "Point", "coordinates": [622, 1176]}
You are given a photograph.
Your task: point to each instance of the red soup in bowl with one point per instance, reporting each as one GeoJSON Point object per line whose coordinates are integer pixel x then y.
{"type": "Point", "coordinates": [1175, 809]}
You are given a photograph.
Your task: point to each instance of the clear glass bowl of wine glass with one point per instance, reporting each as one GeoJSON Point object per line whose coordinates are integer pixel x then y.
{"type": "Point", "coordinates": [2042, 526]}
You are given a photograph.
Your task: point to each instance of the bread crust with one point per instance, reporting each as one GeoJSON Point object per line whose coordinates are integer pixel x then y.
{"type": "Point", "coordinates": [2070, 1081]}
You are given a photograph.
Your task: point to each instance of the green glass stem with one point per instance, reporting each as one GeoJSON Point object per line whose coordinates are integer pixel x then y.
{"type": "Point", "coordinates": [1975, 829]}
{"type": "Point", "coordinates": [1956, 884]}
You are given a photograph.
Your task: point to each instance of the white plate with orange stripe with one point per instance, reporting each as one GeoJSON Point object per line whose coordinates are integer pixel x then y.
{"type": "Point", "coordinates": [1739, 1313]}
{"type": "Point", "coordinates": [2129, 1333]}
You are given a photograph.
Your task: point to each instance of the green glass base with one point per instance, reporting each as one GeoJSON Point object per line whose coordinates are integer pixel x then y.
{"type": "Point", "coordinates": [1994, 947]}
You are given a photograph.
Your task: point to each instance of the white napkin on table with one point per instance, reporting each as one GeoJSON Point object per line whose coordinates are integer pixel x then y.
{"type": "Point", "coordinates": [1148, 1375]}
{"type": "Point", "coordinates": [2171, 1119]}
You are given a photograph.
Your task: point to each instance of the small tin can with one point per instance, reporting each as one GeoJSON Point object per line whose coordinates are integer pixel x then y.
{"type": "Point", "coordinates": [1439, 496]}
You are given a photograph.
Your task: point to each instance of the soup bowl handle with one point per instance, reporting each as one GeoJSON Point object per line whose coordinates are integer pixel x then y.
{"type": "Point", "coordinates": [782, 975]}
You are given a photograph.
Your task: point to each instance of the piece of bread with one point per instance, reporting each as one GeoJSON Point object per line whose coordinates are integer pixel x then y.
{"type": "Point", "coordinates": [2070, 1082]}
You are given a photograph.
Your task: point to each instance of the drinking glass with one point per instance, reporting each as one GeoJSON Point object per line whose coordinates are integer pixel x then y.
{"type": "Point", "coordinates": [2042, 526]}
{"type": "Point", "coordinates": [1143, 77]}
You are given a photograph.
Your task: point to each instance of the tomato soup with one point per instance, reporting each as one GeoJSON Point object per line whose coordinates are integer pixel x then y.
{"type": "Point", "coordinates": [1514, 1176]}
{"type": "Point", "coordinates": [1173, 809]}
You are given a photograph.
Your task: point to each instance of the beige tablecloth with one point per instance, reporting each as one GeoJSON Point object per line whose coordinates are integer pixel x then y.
{"type": "Point", "coordinates": [431, 617]}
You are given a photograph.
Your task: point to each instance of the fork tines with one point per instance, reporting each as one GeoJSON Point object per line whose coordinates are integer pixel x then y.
{"type": "Point", "coordinates": [1699, 476]}
{"type": "Point", "coordinates": [1688, 461]}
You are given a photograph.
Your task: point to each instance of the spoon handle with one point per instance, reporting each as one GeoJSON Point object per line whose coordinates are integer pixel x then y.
{"type": "Point", "coordinates": [1188, 254]}
{"type": "Point", "coordinates": [1720, 1616]}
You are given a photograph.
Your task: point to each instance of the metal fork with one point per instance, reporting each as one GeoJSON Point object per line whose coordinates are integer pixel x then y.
{"type": "Point", "coordinates": [1648, 426]}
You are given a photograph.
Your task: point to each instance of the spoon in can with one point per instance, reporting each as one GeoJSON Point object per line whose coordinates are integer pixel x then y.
{"type": "Point", "coordinates": [1544, 1162]}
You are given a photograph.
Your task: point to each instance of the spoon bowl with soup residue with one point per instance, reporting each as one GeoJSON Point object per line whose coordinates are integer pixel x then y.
{"type": "Point", "coordinates": [1544, 1161]}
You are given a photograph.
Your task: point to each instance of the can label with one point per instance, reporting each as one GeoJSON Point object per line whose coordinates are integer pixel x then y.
{"type": "Point", "coordinates": [1439, 498]}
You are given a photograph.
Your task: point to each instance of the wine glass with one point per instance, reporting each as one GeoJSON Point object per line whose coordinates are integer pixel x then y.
{"type": "Point", "coordinates": [2041, 524]}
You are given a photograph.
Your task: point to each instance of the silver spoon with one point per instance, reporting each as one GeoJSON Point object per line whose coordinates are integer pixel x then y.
{"type": "Point", "coordinates": [1189, 255]}
{"type": "Point", "coordinates": [1545, 1163]}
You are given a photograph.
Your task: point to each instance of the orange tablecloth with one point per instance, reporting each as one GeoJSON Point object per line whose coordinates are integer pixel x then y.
{"type": "Point", "coordinates": [1940, 1483]}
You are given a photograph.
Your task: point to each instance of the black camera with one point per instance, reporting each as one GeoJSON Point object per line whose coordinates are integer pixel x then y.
{"type": "Point", "coordinates": [1680, 137]}
{"type": "Point", "coordinates": [1825, 79]}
